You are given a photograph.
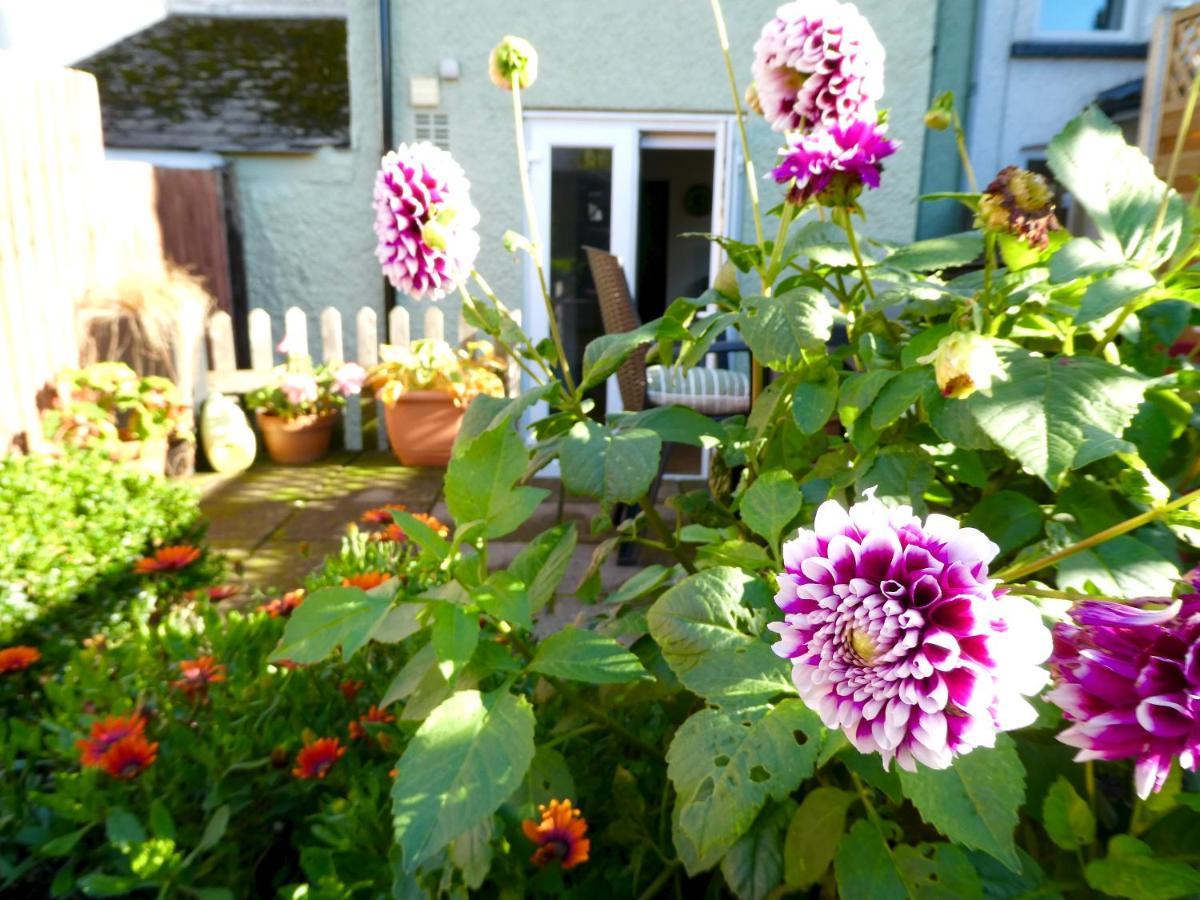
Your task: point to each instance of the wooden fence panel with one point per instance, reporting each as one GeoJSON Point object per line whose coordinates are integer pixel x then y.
{"type": "Point", "coordinates": [1177, 54]}
{"type": "Point", "coordinates": [190, 210]}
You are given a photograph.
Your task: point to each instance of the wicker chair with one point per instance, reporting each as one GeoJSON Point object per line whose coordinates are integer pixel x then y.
{"type": "Point", "coordinates": [718, 392]}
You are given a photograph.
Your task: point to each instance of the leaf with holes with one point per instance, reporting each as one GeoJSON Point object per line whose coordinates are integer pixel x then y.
{"type": "Point", "coordinates": [777, 328]}
{"type": "Point", "coordinates": [975, 802]}
{"type": "Point", "coordinates": [865, 866]}
{"type": "Point", "coordinates": [1130, 870]}
{"type": "Point", "coordinates": [711, 637]}
{"type": "Point", "coordinates": [725, 765]}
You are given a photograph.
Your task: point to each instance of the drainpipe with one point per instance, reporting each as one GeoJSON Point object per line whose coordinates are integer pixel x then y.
{"type": "Point", "coordinates": [385, 78]}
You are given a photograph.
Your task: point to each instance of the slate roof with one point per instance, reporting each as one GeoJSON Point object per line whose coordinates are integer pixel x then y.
{"type": "Point", "coordinates": [226, 85]}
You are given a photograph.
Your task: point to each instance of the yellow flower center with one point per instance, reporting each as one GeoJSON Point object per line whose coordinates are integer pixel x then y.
{"type": "Point", "coordinates": [862, 645]}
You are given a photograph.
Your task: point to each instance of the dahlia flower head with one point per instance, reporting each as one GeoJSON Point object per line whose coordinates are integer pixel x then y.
{"type": "Point", "coordinates": [424, 221]}
{"type": "Point", "coordinates": [818, 62]}
{"type": "Point", "coordinates": [1128, 678]}
{"type": "Point", "coordinates": [898, 637]}
{"type": "Point", "coordinates": [834, 164]}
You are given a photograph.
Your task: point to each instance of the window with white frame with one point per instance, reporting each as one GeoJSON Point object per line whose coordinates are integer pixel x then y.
{"type": "Point", "coordinates": [1078, 18]}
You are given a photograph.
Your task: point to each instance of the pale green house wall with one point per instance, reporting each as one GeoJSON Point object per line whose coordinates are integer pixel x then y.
{"type": "Point", "coordinates": [632, 55]}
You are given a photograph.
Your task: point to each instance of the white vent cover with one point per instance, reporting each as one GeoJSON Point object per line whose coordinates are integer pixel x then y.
{"type": "Point", "coordinates": [432, 127]}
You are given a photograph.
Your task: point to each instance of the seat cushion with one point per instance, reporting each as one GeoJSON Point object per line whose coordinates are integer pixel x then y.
{"type": "Point", "coordinates": [714, 392]}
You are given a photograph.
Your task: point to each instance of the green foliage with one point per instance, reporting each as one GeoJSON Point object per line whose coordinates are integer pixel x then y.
{"type": "Point", "coordinates": [586, 656]}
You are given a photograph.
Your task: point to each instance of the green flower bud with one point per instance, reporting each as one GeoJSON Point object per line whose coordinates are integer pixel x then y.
{"type": "Point", "coordinates": [513, 56]}
{"type": "Point", "coordinates": [941, 112]}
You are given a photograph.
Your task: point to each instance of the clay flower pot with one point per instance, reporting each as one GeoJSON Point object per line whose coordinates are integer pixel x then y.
{"type": "Point", "coordinates": [422, 426]}
{"type": "Point", "coordinates": [294, 442]}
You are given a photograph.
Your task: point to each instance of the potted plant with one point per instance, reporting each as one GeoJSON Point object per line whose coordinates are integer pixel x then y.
{"type": "Point", "coordinates": [298, 407]}
{"type": "Point", "coordinates": [426, 389]}
{"type": "Point", "coordinates": [108, 407]}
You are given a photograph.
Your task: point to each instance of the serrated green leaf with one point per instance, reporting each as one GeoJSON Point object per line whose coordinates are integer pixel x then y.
{"type": "Point", "coordinates": [462, 763]}
{"type": "Point", "coordinates": [329, 617]}
{"type": "Point", "coordinates": [1081, 257]}
{"type": "Point", "coordinates": [1067, 816]}
{"type": "Point", "coordinates": [542, 564]}
{"type": "Point", "coordinates": [866, 868]}
{"type": "Point", "coordinates": [813, 402]}
{"type": "Point", "coordinates": [770, 503]}
{"type": "Point", "coordinates": [753, 867]}
{"type": "Point", "coordinates": [615, 467]}
{"type": "Point", "coordinates": [471, 854]}
{"type": "Point", "coordinates": [777, 328]}
{"type": "Point", "coordinates": [814, 834]}
{"type": "Point", "coordinates": [859, 392]}
{"type": "Point", "coordinates": [974, 802]}
{"type": "Point", "coordinates": [640, 584]}
{"type": "Point", "coordinates": [454, 635]}
{"type": "Point", "coordinates": [582, 655]}
{"type": "Point", "coordinates": [122, 827]}
{"type": "Point", "coordinates": [933, 254]}
{"type": "Point", "coordinates": [505, 597]}
{"type": "Point", "coordinates": [711, 637]}
{"type": "Point", "coordinates": [1122, 567]}
{"type": "Point", "coordinates": [481, 478]}
{"type": "Point", "coordinates": [1131, 870]}
{"type": "Point", "coordinates": [898, 395]}
{"type": "Point", "coordinates": [677, 425]}
{"type": "Point", "coordinates": [1010, 519]}
{"type": "Point", "coordinates": [607, 353]}
{"type": "Point", "coordinates": [725, 765]}
{"type": "Point", "coordinates": [1110, 293]}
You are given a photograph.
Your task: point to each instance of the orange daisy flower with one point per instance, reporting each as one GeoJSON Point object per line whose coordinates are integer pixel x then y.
{"type": "Point", "coordinates": [16, 659]}
{"type": "Point", "coordinates": [392, 534]}
{"type": "Point", "coordinates": [366, 580]}
{"type": "Point", "coordinates": [559, 835]}
{"type": "Point", "coordinates": [316, 759]}
{"type": "Point", "coordinates": [373, 716]}
{"type": "Point", "coordinates": [350, 688]}
{"type": "Point", "coordinates": [220, 592]}
{"type": "Point", "coordinates": [382, 515]}
{"type": "Point", "coordinates": [285, 605]}
{"type": "Point", "coordinates": [168, 559]}
{"type": "Point", "coordinates": [106, 733]}
{"type": "Point", "coordinates": [198, 674]}
{"type": "Point", "coordinates": [436, 524]}
{"type": "Point", "coordinates": [129, 757]}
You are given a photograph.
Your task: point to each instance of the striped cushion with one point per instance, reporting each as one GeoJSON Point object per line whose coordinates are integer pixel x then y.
{"type": "Point", "coordinates": [711, 391]}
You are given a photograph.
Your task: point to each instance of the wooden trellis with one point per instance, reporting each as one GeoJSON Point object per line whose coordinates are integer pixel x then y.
{"type": "Point", "coordinates": [1173, 61]}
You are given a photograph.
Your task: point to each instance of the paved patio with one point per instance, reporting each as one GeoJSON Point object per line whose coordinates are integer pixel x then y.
{"type": "Point", "coordinates": [275, 523]}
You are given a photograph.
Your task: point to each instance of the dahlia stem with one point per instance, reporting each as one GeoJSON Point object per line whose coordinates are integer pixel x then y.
{"type": "Point", "coordinates": [747, 159]}
{"type": "Point", "coordinates": [495, 301]}
{"type": "Point", "coordinates": [1014, 573]}
{"type": "Point", "coordinates": [535, 236]}
{"type": "Point", "coordinates": [960, 138]}
{"type": "Point", "coordinates": [1048, 594]}
{"type": "Point", "coordinates": [785, 221]}
{"type": "Point", "coordinates": [1185, 127]}
{"type": "Point", "coordinates": [664, 534]}
{"type": "Point", "coordinates": [658, 883]}
{"type": "Point", "coordinates": [848, 227]}
{"type": "Point", "coordinates": [512, 354]}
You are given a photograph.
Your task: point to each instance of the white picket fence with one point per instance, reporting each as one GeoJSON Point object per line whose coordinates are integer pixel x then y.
{"type": "Point", "coordinates": [362, 347]}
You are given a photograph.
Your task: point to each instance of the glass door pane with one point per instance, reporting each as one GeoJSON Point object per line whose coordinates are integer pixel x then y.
{"type": "Point", "coordinates": [580, 215]}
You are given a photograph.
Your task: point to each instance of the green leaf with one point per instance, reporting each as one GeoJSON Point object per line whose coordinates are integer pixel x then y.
{"type": "Point", "coordinates": [640, 584]}
{"type": "Point", "coordinates": [161, 823]}
{"type": "Point", "coordinates": [1117, 186]}
{"type": "Point", "coordinates": [770, 503]}
{"type": "Point", "coordinates": [1122, 567]}
{"type": "Point", "coordinates": [505, 597]}
{"type": "Point", "coordinates": [814, 834]}
{"type": "Point", "coordinates": [420, 533]}
{"type": "Point", "coordinates": [604, 355]}
{"type": "Point", "coordinates": [711, 637]}
{"type": "Point", "coordinates": [1081, 257]}
{"type": "Point", "coordinates": [1054, 415]}
{"type": "Point", "coordinates": [122, 827]}
{"type": "Point", "coordinates": [938, 872]}
{"type": "Point", "coordinates": [582, 655]}
{"type": "Point", "coordinates": [866, 868]}
{"type": "Point", "coordinates": [974, 802]}
{"type": "Point", "coordinates": [1130, 870]}
{"type": "Point", "coordinates": [614, 467]}
{"type": "Point", "coordinates": [900, 474]}
{"type": "Point", "coordinates": [1010, 519]}
{"type": "Point", "coordinates": [776, 329]}
{"type": "Point", "coordinates": [859, 392]}
{"type": "Point", "coordinates": [1108, 294]}
{"type": "Point", "coordinates": [213, 832]}
{"type": "Point", "coordinates": [542, 564]}
{"type": "Point", "coordinates": [548, 778]}
{"type": "Point", "coordinates": [454, 635]}
{"type": "Point", "coordinates": [1001, 883]}
{"type": "Point", "coordinates": [753, 867]}
{"type": "Point", "coordinates": [1067, 816]}
{"type": "Point", "coordinates": [401, 621]}
{"type": "Point", "coordinates": [677, 425]}
{"type": "Point", "coordinates": [63, 844]}
{"type": "Point", "coordinates": [725, 765]}
{"type": "Point", "coordinates": [480, 483]}
{"type": "Point", "coordinates": [813, 402]}
{"type": "Point", "coordinates": [463, 762]}
{"type": "Point", "coordinates": [898, 395]}
{"type": "Point", "coordinates": [934, 254]}
{"type": "Point", "coordinates": [471, 853]}
{"type": "Point", "coordinates": [97, 884]}
{"type": "Point", "coordinates": [329, 617]}
{"type": "Point", "coordinates": [824, 244]}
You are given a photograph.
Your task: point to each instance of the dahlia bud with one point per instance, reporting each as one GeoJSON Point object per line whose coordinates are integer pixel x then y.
{"type": "Point", "coordinates": [513, 57]}
{"type": "Point", "coordinates": [726, 282]}
{"type": "Point", "coordinates": [753, 102]}
{"type": "Point", "coordinates": [1020, 203]}
{"type": "Point", "coordinates": [941, 112]}
{"type": "Point", "coordinates": [963, 363]}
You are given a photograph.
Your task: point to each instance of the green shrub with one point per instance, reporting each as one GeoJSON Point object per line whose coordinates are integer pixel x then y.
{"type": "Point", "coordinates": [72, 529]}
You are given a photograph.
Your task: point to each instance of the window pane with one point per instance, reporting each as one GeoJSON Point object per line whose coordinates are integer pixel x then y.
{"type": "Point", "coordinates": [1082, 15]}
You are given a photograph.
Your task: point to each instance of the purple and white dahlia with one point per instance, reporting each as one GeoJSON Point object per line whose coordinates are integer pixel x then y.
{"type": "Point", "coordinates": [424, 221]}
{"type": "Point", "coordinates": [898, 637]}
{"type": "Point", "coordinates": [1128, 677]}
{"type": "Point", "coordinates": [834, 164]}
{"type": "Point", "coordinates": [817, 62]}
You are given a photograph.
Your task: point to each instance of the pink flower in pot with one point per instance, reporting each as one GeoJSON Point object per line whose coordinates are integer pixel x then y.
{"type": "Point", "coordinates": [300, 388]}
{"type": "Point", "coordinates": [348, 379]}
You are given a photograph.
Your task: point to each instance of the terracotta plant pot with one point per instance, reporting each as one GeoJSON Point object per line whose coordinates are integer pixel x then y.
{"type": "Point", "coordinates": [422, 426]}
{"type": "Point", "coordinates": [294, 442]}
{"type": "Point", "coordinates": [149, 456]}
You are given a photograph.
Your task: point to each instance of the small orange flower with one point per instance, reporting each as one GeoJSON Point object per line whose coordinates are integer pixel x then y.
{"type": "Point", "coordinates": [392, 534]}
{"type": "Point", "coordinates": [288, 664]}
{"type": "Point", "coordinates": [105, 734]}
{"type": "Point", "coordinates": [382, 515]}
{"type": "Point", "coordinates": [559, 835]}
{"type": "Point", "coordinates": [129, 757]}
{"type": "Point", "coordinates": [220, 592]}
{"type": "Point", "coordinates": [373, 716]}
{"type": "Point", "coordinates": [434, 523]}
{"type": "Point", "coordinates": [350, 688]}
{"type": "Point", "coordinates": [16, 659]}
{"type": "Point", "coordinates": [285, 605]}
{"type": "Point", "coordinates": [198, 674]}
{"type": "Point", "coordinates": [316, 759]}
{"type": "Point", "coordinates": [366, 580]}
{"type": "Point", "coordinates": [168, 559]}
